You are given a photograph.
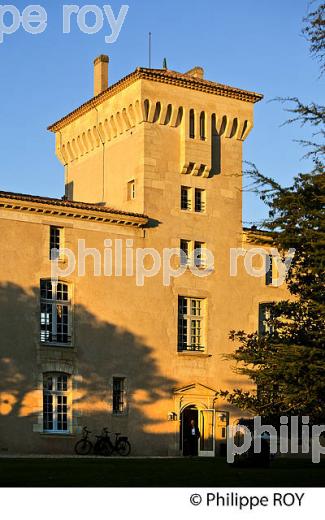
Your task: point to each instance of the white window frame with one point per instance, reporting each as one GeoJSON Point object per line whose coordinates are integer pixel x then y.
{"type": "Point", "coordinates": [190, 249]}
{"type": "Point", "coordinates": [55, 303]}
{"type": "Point", "coordinates": [263, 315]}
{"type": "Point", "coordinates": [124, 395]}
{"type": "Point", "coordinates": [199, 344]}
{"type": "Point", "coordinates": [199, 261]}
{"type": "Point", "coordinates": [60, 243]}
{"type": "Point", "coordinates": [185, 247]}
{"type": "Point", "coordinates": [56, 394]}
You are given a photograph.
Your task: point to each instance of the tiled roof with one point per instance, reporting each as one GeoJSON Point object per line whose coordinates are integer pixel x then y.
{"type": "Point", "coordinates": [161, 76]}
{"type": "Point", "coordinates": [99, 212]}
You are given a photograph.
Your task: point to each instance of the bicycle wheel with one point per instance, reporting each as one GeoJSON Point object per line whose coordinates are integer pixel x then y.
{"type": "Point", "coordinates": [105, 448]}
{"type": "Point", "coordinates": [83, 447]}
{"type": "Point", "coordinates": [123, 448]}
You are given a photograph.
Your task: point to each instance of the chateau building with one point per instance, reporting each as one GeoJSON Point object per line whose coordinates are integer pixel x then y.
{"type": "Point", "coordinates": [128, 334]}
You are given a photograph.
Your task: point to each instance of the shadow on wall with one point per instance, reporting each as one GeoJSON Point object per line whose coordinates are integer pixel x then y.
{"type": "Point", "coordinates": [101, 351]}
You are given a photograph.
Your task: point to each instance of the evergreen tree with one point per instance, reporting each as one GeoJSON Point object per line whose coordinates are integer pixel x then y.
{"type": "Point", "coordinates": [287, 363]}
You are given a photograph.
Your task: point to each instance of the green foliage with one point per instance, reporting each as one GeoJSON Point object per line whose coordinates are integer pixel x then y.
{"type": "Point", "coordinates": [314, 32]}
{"type": "Point", "coordinates": [287, 364]}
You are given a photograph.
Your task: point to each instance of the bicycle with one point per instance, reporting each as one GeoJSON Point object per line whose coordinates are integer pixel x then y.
{"type": "Point", "coordinates": [85, 446]}
{"type": "Point", "coordinates": [120, 446]}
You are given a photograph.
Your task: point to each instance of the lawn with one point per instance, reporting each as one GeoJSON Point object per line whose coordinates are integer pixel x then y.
{"type": "Point", "coordinates": [156, 473]}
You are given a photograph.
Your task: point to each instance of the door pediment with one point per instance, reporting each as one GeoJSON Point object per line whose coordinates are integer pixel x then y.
{"type": "Point", "coordinates": [196, 389]}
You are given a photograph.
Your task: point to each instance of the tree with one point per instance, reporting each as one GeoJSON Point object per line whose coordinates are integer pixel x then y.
{"type": "Point", "coordinates": [287, 363]}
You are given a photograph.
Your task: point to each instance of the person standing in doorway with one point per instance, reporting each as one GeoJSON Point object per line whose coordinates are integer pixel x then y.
{"type": "Point", "coordinates": [194, 435]}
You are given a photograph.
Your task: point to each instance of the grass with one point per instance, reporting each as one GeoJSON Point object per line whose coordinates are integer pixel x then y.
{"type": "Point", "coordinates": [156, 473]}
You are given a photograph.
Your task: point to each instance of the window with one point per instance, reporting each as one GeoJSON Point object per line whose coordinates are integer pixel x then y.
{"type": "Point", "coordinates": [199, 200]}
{"type": "Point", "coordinates": [264, 314]}
{"type": "Point", "coordinates": [55, 318]}
{"type": "Point", "coordinates": [193, 253]}
{"type": "Point", "coordinates": [187, 203]}
{"type": "Point", "coordinates": [202, 126]}
{"type": "Point", "coordinates": [185, 198]}
{"type": "Point", "coordinates": [199, 256]}
{"type": "Point", "coordinates": [191, 324]}
{"type": "Point", "coordinates": [131, 190]}
{"type": "Point", "coordinates": [119, 405]}
{"type": "Point", "coordinates": [185, 247]}
{"type": "Point", "coordinates": [269, 270]}
{"type": "Point", "coordinates": [56, 236]}
{"type": "Point", "coordinates": [55, 402]}
{"type": "Point", "coordinates": [192, 124]}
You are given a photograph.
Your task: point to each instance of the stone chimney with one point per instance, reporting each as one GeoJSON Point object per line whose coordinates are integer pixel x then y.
{"type": "Point", "coordinates": [196, 72]}
{"type": "Point", "coordinates": [100, 74]}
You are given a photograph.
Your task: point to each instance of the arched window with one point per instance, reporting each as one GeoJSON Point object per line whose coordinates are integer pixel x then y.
{"type": "Point", "coordinates": [192, 124]}
{"type": "Point", "coordinates": [168, 114]}
{"type": "Point", "coordinates": [202, 126]}
{"type": "Point", "coordinates": [146, 109]}
{"type": "Point", "coordinates": [179, 116]}
{"type": "Point", "coordinates": [216, 147]}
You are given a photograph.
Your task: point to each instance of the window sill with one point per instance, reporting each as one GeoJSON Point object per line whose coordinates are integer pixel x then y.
{"type": "Point", "coordinates": [57, 435]}
{"type": "Point", "coordinates": [193, 353]}
{"type": "Point", "coordinates": [57, 345]}
{"type": "Point", "coordinates": [188, 268]}
{"type": "Point", "coordinates": [193, 212]}
{"type": "Point", "coordinates": [61, 261]}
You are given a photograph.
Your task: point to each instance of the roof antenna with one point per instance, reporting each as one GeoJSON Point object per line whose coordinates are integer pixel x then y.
{"type": "Point", "coordinates": [165, 64]}
{"type": "Point", "coordinates": [150, 50]}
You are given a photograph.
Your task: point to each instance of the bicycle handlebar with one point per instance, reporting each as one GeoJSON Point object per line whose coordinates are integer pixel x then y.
{"type": "Point", "coordinates": [85, 429]}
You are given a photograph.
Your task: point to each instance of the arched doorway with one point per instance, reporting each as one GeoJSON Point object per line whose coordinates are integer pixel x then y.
{"type": "Point", "coordinates": [190, 413]}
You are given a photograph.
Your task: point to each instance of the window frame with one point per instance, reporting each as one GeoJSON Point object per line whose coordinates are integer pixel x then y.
{"type": "Point", "coordinates": [199, 261]}
{"type": "Point", "coordinates": [199, 344]}
{"type": "Point", "coordinates": [188, 200]}
{"type": "Point", "coordinates": [50, 319]}
{"type": "Point", "coordinates": [189, 247]}
{"type": "Point", "coordinates": [263, 308]}
{"type": "Point", "coordinates": [186, 247]}
{"type": "Point", "coordinates": [122, 396]}
{"type": "Point", "coordinates": [56, 394]}
{"type": "Point", "coordinates": [202, 193]}
{"type": "Point", "coordinates": [54, 242]}
{"type": "Point", "coordinates": [269, 272]}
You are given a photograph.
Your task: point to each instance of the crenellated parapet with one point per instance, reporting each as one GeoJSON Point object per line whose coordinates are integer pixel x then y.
{"type": "Point", "coordinates": [197, 127]}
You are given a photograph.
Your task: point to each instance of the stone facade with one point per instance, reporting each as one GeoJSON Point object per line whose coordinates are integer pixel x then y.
{"type": "Point", "coordinates": [126, 154]}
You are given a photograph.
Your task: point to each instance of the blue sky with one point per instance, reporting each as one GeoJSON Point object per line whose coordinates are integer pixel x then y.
{"type": "Point", "coordinates": [252, 44]}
